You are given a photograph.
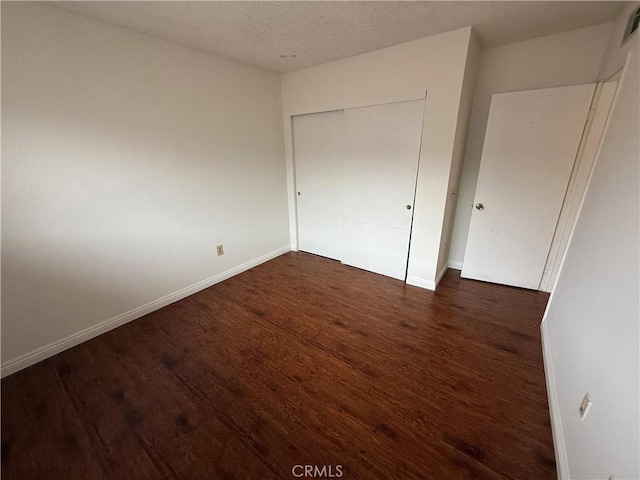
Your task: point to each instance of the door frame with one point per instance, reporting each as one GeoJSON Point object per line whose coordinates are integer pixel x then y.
{"type": "Point", "coordinates": [597, 117]}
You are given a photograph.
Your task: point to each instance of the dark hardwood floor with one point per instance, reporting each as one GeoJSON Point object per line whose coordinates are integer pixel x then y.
{"type": "Point", "coordinates": [299, 361]}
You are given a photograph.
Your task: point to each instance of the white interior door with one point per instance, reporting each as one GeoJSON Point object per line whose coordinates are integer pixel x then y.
{"type": "Point", "coordinates": [529, 150]}
{"type": "Point", "coordinates": [318, 150]}
{"type": "Point", "coordinates": [382, 146]}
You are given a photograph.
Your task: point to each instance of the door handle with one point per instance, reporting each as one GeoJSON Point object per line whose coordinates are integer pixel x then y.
{"type": "Point", "coordinates": [408, 207]}
{"type": "Point", "coordinates": [479, 206]}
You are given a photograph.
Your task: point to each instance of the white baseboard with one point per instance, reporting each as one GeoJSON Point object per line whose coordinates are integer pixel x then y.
{"type": "Point", "coordinates": [562, 462]}
{"type": "Point", "coordinates": [420, 282]}
{"type": "Point", "coordinates": [455, 265]}
{"type": "Point", "coordinates": [441, 273]}
{"type": "Point", "coordinates": [428, 284]}
{"type": "Point", "coordinates": [30, 358]}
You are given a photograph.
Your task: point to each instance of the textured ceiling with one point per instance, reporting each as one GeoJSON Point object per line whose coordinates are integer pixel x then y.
{"type": "Point", "coordinates": [254, 32]}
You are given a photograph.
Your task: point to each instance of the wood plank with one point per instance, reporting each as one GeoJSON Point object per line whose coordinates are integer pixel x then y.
{"type": "Point", "coordinates": [300, 360]}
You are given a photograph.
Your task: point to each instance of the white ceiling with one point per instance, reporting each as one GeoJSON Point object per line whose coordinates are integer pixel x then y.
{"type": "Point", "coordinates": [322, 31]}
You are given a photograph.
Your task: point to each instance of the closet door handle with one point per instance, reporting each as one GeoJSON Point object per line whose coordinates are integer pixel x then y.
{"type": "Point", "coordinates": [408, 207]}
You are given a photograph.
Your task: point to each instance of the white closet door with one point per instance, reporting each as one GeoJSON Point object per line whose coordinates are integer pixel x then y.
{"type": "Point", "coordinates": [530, 146]}
{"type": "Point", "coordinates": [318, 150]}
{"type": "Point", "coordinates": [382, 145]}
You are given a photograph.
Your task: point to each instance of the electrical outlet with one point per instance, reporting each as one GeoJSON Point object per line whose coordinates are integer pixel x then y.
{"type": "Point", "coordinates": [585, 405]}
{"type": "Point", "coordinates": [220, 250]}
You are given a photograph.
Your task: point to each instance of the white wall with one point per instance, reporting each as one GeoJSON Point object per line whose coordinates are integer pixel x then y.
{"type": "Point", "coordinates": [568, 58]}
{"type": "Point", "coordinates": [403, 72]}
{"type": "Point", "coordinates": [474, 56]}
{"type": "Point", "coordinates": [591, 327]}
{"type": "Point", "coordinates": [126, 160]}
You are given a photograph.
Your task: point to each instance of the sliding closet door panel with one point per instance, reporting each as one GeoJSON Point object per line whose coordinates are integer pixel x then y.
{"type": "Point", "coordinates": [318, 150]}
{"type": "Point", "coordinates": [382, 145]}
